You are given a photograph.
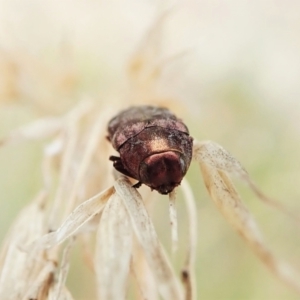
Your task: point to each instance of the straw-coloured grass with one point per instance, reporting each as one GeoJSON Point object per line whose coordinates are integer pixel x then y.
{"type": "Point", "coordinates": [81, 195]}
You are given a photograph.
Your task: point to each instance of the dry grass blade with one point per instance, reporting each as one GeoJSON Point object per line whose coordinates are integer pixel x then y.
{"type": "Point", "coordinates": [98, 131]}
{"type": "Point", "coordinates": [45, 127]}
{"type": "Point", "coordinates": [113, 251]}
{"type": "Point", "coordinates": [173, 220]}
{"type": "Point", "coordinates": [167, 282]}
{"type": "Point", "coordinates": [68, 140]}
{"type": "Point", "coordinates": [58, 289]}
{"type": "Point", "coordinates": [64, 295]}
{"type": "Point", "coordinates": [228, 201]}
{"type": "Point", "coordinates": [18, 269]}
{"type": "Point", "coordinates": [143, 276]}
{"type": "Point", "coordinates": [38, 129]}
{"type": "Point", "coordinates": [41, 285]}
{"type": "Point", "coordinates": [271, 202]}
{"type": "Point", "coordinates": [188, 272]}
{"type": "Point", "coordinates": [217, 157]}
{"type": "Point", "coordinates": [80, 216]}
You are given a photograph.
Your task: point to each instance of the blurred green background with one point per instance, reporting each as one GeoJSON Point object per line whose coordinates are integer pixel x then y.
{"type": "Point", "coordinates": [237, 84]}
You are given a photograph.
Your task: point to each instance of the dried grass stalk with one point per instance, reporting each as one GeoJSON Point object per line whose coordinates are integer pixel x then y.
{"type": "Point", "coordinates": [173, 220]}
{"type": "Point", "coordinates": [215, 163]}
{"type": "Point", "coordinates": [113, 250]}
{"type": "Point", "coordinates": [36, 130]}
{"type": "Point", "coordinates": [19, 269]}
{"type": "Point", "coordinates": [96, 134]}
{"type": "Point", "coordinates": [188, 272]}
{"type": "Point", "coordinates": [79, 217]}
{"type": "Point", "coordinates": [141, 271]}
{"type": "Point", "coordinates": [64, 294]}
{"type": "Point", "coordinates": [58, 289]}
{"type": "Point", "coordinates": [31, 270]}
{"type": "Point", "coordinates": [166, 280]}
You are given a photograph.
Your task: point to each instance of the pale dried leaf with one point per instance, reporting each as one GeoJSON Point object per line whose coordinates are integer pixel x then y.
{"type": "Point", "coordinates": [38, 129]}
{"type": "Point", "coordinates": [80, 216]}
{"type": "Point", "coordinates": [59, 287]}
{"type": "Point", "coordinates": [113, 251]}
{"type": "Point", "coordinates": [295, 215]}
{"type": "Point", "coordinates": [45, 127]}
{"type": "Point", "coordinates": [228, 201]}
{"type": "Point", "coordinates": [69, 139]}
{"type": "Point", "coordinates": [54, 147]}
{"type": "Point", "coordinates": [188, 272]}
{"type": "Point", "coordinates": [19, 269]}
{"type": "Point", "coordinates": [85, 241]}
{"type": "Point", "coordinates": [167, 282]}
{"type": "Point", "coordinates": [64, 295]}
{"type": "Point", "coordinates": [143, 276]}
{"type": "Point", "coordinates": [216, 156]}
{"type": "Point", "coordinates": [50, 152]}
{"type": "Point", "coordinates": [40, 286]}
{"type": "Point", "coordinates": [97, 132]}
{"type": "Point", "coordinates": [173, 220]}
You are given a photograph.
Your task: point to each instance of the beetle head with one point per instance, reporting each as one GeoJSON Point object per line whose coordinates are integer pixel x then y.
{"type": "Point", "coordinates": [163, 171]}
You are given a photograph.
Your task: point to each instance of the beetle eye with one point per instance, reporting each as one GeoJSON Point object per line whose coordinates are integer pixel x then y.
{"type": "Point", "coordinates": [182, 164]}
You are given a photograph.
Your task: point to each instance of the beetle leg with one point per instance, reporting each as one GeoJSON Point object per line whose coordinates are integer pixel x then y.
{"type": "Point", "coordinates": [118, 165]}
{"type": "Point", "coordinates": [137, 185]}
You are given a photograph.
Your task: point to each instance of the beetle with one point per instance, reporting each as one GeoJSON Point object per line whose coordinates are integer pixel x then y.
{"type": "Point", "coordinates": [154, 145]}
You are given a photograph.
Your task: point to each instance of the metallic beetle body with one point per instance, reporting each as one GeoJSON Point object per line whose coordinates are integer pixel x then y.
{"type": "Point", "coordinates": [154, 145]}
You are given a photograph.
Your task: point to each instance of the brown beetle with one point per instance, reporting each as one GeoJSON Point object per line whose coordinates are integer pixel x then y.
{"type": "Point", "coordinates": [154, 145]}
